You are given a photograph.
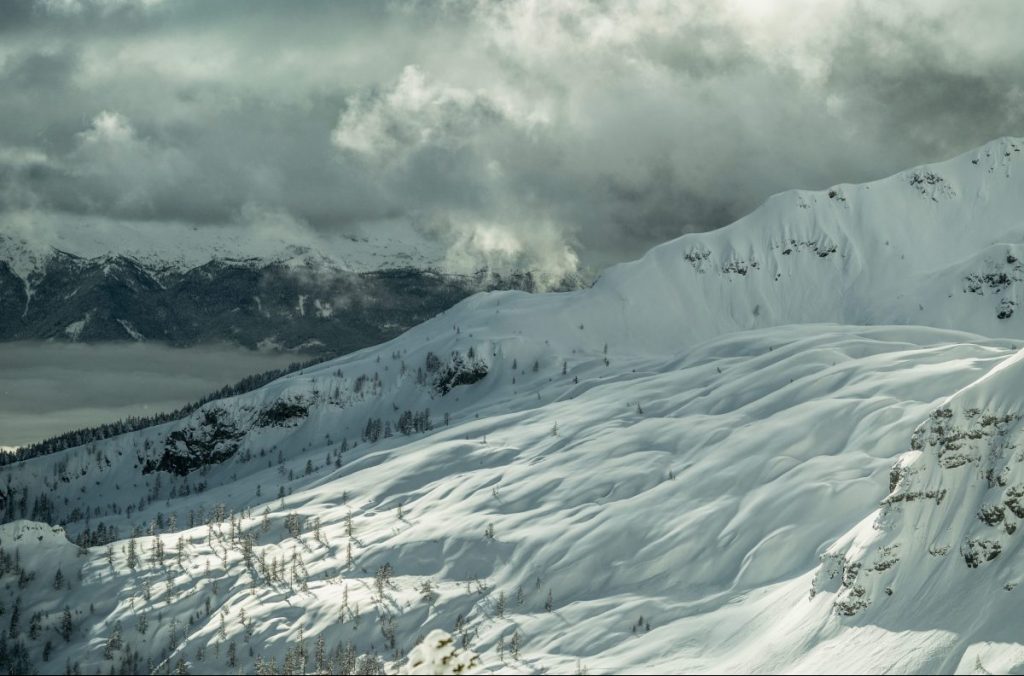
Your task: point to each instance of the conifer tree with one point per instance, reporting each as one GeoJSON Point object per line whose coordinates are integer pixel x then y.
{"type": "Point", "coordinates": [66, 626]}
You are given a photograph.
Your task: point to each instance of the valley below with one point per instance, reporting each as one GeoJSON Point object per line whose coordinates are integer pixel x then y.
{"type": "Point", "coordinates": [48, 388]}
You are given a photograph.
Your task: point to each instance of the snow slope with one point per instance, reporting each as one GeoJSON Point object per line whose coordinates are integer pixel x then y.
{"type": "Point", "coordinates": [786, 446]}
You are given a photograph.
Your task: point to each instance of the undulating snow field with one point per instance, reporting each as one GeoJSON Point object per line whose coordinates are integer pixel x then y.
{"type": "Point", "coordinates": [791, 445]}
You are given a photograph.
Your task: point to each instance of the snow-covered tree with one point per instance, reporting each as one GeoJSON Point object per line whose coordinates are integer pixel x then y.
{"type": "Point", "coordinates": [437, 654]}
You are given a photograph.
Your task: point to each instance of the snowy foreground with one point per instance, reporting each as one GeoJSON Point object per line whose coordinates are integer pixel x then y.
{"type": "Point", "coordinates": [792, 445]}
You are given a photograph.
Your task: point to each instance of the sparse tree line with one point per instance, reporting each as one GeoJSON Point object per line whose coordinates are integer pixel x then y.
{"type": "Point", "coordinates": [150, 556]}
{"type": "Point", "coordinates": [408, 423]}
{"type": "Point", "coordinates": [289, 569]}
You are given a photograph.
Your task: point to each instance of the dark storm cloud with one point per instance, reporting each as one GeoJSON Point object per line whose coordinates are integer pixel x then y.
{"type": "Point", "coordinates": [543, 129]}
{"type": "Point", "coordinates": [907, 75]}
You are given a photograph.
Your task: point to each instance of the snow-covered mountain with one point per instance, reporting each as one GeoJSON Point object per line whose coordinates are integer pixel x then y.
{"type": "Point", "coordinates": [263, 287]}
{"type": "Point", "coordinates": [172, 247]}
{"type": "Point", "coordinates": [791, 445]}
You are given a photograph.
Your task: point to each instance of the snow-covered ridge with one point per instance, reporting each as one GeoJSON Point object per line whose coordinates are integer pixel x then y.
{"type": "Point", "coordinates": [895, 251]}
{"type": "Point", "coordinates": [175, 247]}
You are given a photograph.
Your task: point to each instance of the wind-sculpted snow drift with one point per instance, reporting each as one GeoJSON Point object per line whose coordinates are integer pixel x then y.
{"type": "Point", "coordinates": [789, 445]}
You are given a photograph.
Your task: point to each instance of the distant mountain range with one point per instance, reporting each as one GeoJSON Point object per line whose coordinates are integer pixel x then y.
{"type": "Point", "coordinates": [184, 286]}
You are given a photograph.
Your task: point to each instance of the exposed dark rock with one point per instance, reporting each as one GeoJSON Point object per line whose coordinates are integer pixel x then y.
{"type": "Point", "coordinates": [213, 439]}
{"type": "Point", "coordinates": [911, 496]}
{"type": "Point", "coordinates": [992, 515]}
{"type": "Point", "coordinates": [1014, 494]}
{"type": "Point", "coordinates": [740, 267]}
{"type": "Point", "coordinates": [281, 413]}
{"type": "Point", "coordinates": [977, 552]}
{"type": "Point", "coordinates": [697, 257]}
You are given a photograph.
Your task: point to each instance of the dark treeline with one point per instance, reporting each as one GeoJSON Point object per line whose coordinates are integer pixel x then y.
{"type": "Point", "coordinates": [132, 424]}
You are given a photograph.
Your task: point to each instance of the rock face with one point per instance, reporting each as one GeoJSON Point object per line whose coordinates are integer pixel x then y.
{"type": "Point", "coordinates": [207, 437]}
{"type": "Point", "coordinates": [954, 509]}
{"type": "Point", "coordinates": [282, 413]}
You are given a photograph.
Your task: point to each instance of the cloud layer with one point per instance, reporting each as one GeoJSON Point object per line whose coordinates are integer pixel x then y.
{"type": "Point", "coordinates": [51, 388]}
{"type": "Point", "coordinates": [544, 132]}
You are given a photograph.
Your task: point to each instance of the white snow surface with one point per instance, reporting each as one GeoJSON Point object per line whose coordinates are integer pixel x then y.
{"type": "Point", "coordinates": [437, 654]}
{"type": "Point", "coordinates": [791, 445]}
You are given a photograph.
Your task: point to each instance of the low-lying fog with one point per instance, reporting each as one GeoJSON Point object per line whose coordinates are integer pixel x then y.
{"type": "Point", "coordinates": [48, 388]}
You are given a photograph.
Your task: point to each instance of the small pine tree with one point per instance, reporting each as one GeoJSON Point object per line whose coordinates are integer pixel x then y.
{"type": "Point", "coordinates": [66, 627]}
{"type": "Point", "coordinates": [382, 579]}
{"type": "Point", "coordinates": [293, 525]}
{"type": "Point", "coordinates": [320, 655]}
{"type": "Point", "coordinates": [499, 606]}
{"type": "Point", "coordinates": [427, 593]}
{"type": "Point", "coordinates": [15, 618]}
{"type": "Point", "coordinates": [133, 556]}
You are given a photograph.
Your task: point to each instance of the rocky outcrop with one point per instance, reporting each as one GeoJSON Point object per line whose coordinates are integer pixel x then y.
{"type": "Point", "coordinates": [282, 414]}
{"type": "Point", "coordinates": [959, 490]}
{"type": "Point", "coordinates": [210, 436]}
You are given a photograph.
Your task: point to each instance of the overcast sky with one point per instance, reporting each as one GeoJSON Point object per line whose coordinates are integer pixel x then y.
{"type": "Point", "coordinates": [582, 128]}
